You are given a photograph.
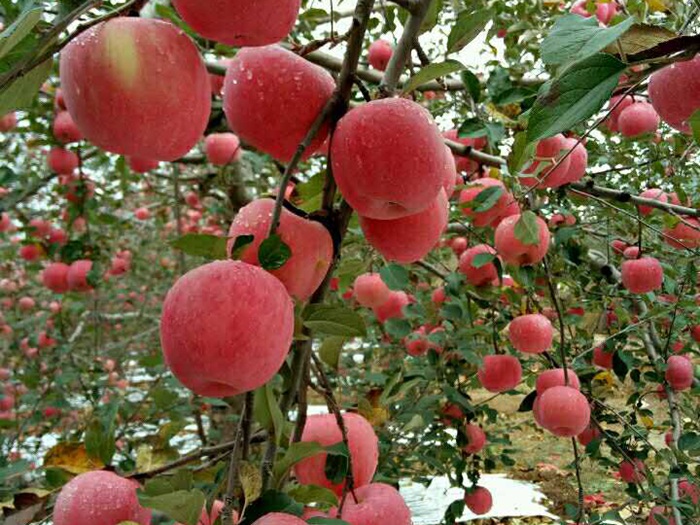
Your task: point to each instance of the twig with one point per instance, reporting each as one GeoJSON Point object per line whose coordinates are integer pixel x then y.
{"type": "Point", "coordinates": [238, 445]}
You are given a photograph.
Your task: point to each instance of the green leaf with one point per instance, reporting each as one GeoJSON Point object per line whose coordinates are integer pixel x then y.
{"type": "Point", "coordinates": [521, 152]}
{"type": "Point", "coordinates": [394, 276]}
{"type": "Point", "coordinates": [397, 328]}
{"type": "Point", "coordinates": [694, 123]}
{"type": "Point", "coordinates": [308, 494]}
{"type": "Point", "coordinates": [295, 453]}
{"type": "Point", "coordinates": [267, 411]}
{"type": "Point", "coordinates": [471, 128]}
{"type": "Point", "coordinates": [330, 350]}
{"type": "Point", "coordinates": [208, 246]}
{"type": "Point", "coordinates": [482, 259]}
{"type": "Point", "coordinates": [271, 501]}
{"type": "Point", "coordinates": [337, 463]}
{"type": "Point", "coordinates": [431, 72]}
{"type": "Point", "coordinates": [527, 231]}
{"type": "Point", "coordinates": [240, 244]}
{"type": "Point", "coordinates": [487, 199]}
{"type": "Point", "coordinates": [334, 320]}
{"type": "Point", "coordinates": [689, 441]}
{"type": "Point", "coordinates": [20, 28]}
{"type": "Point", "coordinates": [467, 28]}
{"type": "Point", "coordinates": [574, 38]}
{"type": "Point", "coordinates": [21, 92]}
{"type": "Point", "coordinates": [576, 95]}
{"type": "Point", "coordinates": [471, 82]}
{"type": "Point", "coordinates": [99, 436]}
{"type": "Point", "coordinates": [320, 520]}
{"type": "Point", "coordinates": [273, 253]}
{"type": "Point", "coordinates": [182, 506]}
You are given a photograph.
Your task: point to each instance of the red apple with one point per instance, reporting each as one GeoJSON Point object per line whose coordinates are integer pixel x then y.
{"type": "Point", "coordinates": [674, 92]}
{"type": "Point", "coordinates": [679, 372]}
{"type": "Point", "coordinates": [370, 290]}
{"type": "Point", "coordinates": [476, 439]}
{"type": "Point", "coordinates": [642, 275]}
{"type": "Point", "coordinates": [379, 54]}
{"type": "Point", "coordinates": [484, 274]}
{"type": "Point", "coordinates": [77, 276]}
{"type": "Point", "coordinates": [531, 333]}
{"type": "Point", "coordinates": [513, 250]}
{"type": "Point", "coordinates": [222, 148]}
{"type": "Point", "coordinates": [479, 500]}
{"type": "Point", "coordinates": [555, 377]}
{"type": "Point", "coordinates": [564, 411]}
{"type": "Point", "coordinates": [500, 373]}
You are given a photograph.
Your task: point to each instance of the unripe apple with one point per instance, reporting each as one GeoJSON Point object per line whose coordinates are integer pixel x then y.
{"type": "Point", "coordinates": [564, 411]}
{"type": "Point", "coordinates": [148, 87]}
{"type": "Point", "coordinates": [555, 377]}
{"type": "Point", "coordinates": [532, 333]}
{"type": "Point", "coordinates": [642, 275]}
{"type": "Point", "coordinates": [479, 500]}
{"type": "Point", "coordinates": [392, 308]}
{"type": "Point", "coordinates": [8, 122]}
{"type": "Point", "coordinates": [638, 119]}
{"type": "Point", "coordinates": [65, 130]}
{"type": "Point", "coordinates": [652, 193]}
{"type": "Point", "coordinates": [240, 23]}
{"type": "Point", "coordinates": [589, 435]}
{"type": "Point", "coordinates": [379, 54]}
{"type": "Point", "coordinates": [226, 328]}
{"type": "Point", "coordinates": [222, 148]}
{"type": "Point", "coordinates": [99, 497]}
{"type": "Point", "coordinates": [476, 439]}
{"type": "Point", "coordinates": [685, 234]}
{"type": "Point", "coordinates": [389, 159]}
{"type": "Point", "coordinates": [140, 165]}
{"type": "Point", "coordinates": [55, 277]}
{"type": "Point", "coordinates": [77, 276]}
{"type": "Point", "coordinates": [550, 152]}
{"type": "Point", "coordinates": [500, 373]}
{"type": "Point", "coordinates": [674, 93]}
{"type": "Point", "coordinates": [471, 194]}
{"type": "Point", "coordinates": [484, 274]}
{"type": "Point", "coordinates": [602, 358]}
{"type": "Point", "coordinates": [274, 112]}
{"type": "Point", "coordinates": [62, 161]}
{"type": "Point", "coordinates": [632, 472]}
{"type": "Point", "coordinates": [362, 442]}
{"type": "Point", "coordinates": [370, 290]}
{"type": "Point", "coordinates": [309, 241]}
{"type": "Point", "coordinates": [679, 372]}
{"type": "Point", "coordinates": [465, 164]}
{"type": "Point", "coordinates": [513, 250]}
{"type": "Point", "coordinates": [408, 239]}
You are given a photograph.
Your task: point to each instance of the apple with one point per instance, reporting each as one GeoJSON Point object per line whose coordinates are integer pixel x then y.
{"type": "Point", "coordinates": [631, 252]}
{"type": "Point", "coordinates": [684, 234]}
{"type": "Point", "coordinates": [142, 214]}
{"type": "Point", "coordinates": [309, 241]}
{"type": "Point", "coordinates": [362, 442]}
{"type": "Point", "coordinates": [222, 148]}
{"type": "Point", "coordinates": [679, 372]}
{"type": "Point", "coordinates": [531, 334]}
{"type": "Point", "coordinates": [26, 303]}
{"type": "Point", "coordinates": [65, 130]}
{"type": "Point", "coordinates": [484, 274]}
{"type": "Point", "coordinates": [99, 497]}
{"type": "Point", "coordinates": [392, 308]}
{"type": "Point", "coordinates": [379, 54]}
{"type": "Point", "coordinates": [370, 290]}
{"type": "Point", "coordinates": [465, 164]}
{"type": "Point", "coordinates": [638, 119]}
{"type": "Point", "coordinates": [138, 87]}
{"type": "Point", "coordinates": [674, 93]}
{"type": "Point", "coordinates": [141, 165]}
{"type": "Point", "coordinates": [590, 434]}
{"type": "Point", "coordinates": [603, 358]}
{"type": "Point", "coordinates": [271, 111]}
{"type": "Point", "coordinates": [549, 152]}
{"type": "Point", "coordinates": [472, 197]}
{"type": "Point", "coordinates": [479, 500]}
{"type": "Point", "coordinates": [377, 504]}
{"type": "Point", "coordinates": [564, 411]}
{"type": "Point", "coordinates": [663, 514]}
{"type": "Point", "coordinates": [689, 490]}
{"type": "Point", "coordinates": [226, 328]}
{"type": "Point", "coordinates": [642, 275]}
{"type": "Point", "coordinates": [476, 439]}
{"type": "Point", "coordinates": [77, 276]}
{"type": "Point", "coordinates": [62, 161]}
{"type": "Point", "coordinates": [632, 472]}
{"type": "Point", "coordinates": [555, 377]}
{"type": "Point", "coordinates": [652, 193]}
{"type": "Point", "coordinates": [31, 252]}
{"type": "Point", "coordinates": [513, 250]}
{"type": "Point", "coordinates": [389, 159]}
{"type": "Point", "coordinates": [8, 122]}
{"type": "Point", "coordinates": [500, 373]}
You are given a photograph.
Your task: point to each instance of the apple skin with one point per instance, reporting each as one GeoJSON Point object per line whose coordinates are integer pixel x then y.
{"type": "Point", "coordinates": [408, 239]}
{"type": "Point", "coordinates": [500, 373]}
{"type": "Point", "coordinates": [77, 276]}
{"type": "Point", "coordinates": [65, 130]}
{"type": "Point", "coordinates": [479, 500]}
{"type": "Point", "coordinates": [389, 159]}
{"type": "Point", "coordinates": [679, 373]}
{"type": "Point", "coordinates": [632, 472]}
{"type": "Point", "coordinates": [513, 251]}
{"type": "Point", "coordinates": [483, 275]}
{"type": "Point", "coordinates": [651, 193]}
{"type": "Point", "coordinates": [99, 497]}
{"type": "Point", "coordinates": [473, 190]}
{"type": "Point", "coordinates": [638, 119]}
{"type": "Point", "coordinates": [240, 23]}
{"type": "Point", "coordinates": [309, 241]}
{"type": "Point", "coordinates": [587, 436]}
{"type": "Point", "coordinates": [550, 151]}
{"type": "Point", "coordinates": [8, 122]}
{"type": "Point", "coordinates": [476, 439]}
{"type": "Point", "coordinates": [684, 235]}
{"type": "Point", "coordinates": [379, 54]}
{"type": "Point", "coordinates": [278, 518]}
{"type": "Point", "coordinates": [62, 161]}
{"type": "Point", "coordinates": [55, 277]}
{"type": "Point", "coordinates": [226, 328]}
{"type": "Point", "coordinates": [602, 358]}
{"type": "Point", "coordinates": [642, 275]}
{"type": "Point", "coordinates": [555, 377]}
{"type": "Point", "coordinates": [362, 441]}
{"type": "Point", "coordinates": [663, 513]}
{"type": "Point", "coordinates": [140, 165]}
{"type": "Point", "coordinates": [272, 111]}
{"type": "Point", "coordinates": [137, 87]}
{"type": "Point", "coordinates": [564, 411]}
{"type": "Point", "coordinates": [674, 91]}
{"type": "Point", "coordinates": [222, 148]}
{"type": "Point", "coordinates": [377, 504]}
{"type": "Point", "coordinates": [371, 290]}
{"type": "Point", "coordinates": [392, 308]}
{"type": "Point", "coordinates": [531, 334]}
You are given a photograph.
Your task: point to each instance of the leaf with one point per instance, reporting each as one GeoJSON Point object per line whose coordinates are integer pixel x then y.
{"type": "Point", "coordinates": [467, 28]}
{"type": "Point", "coordinates": [320, 520]}
{"type": "Point", "coordinates": [99, 441]}
{"type": "Point", "coordinates": [576, 95]}
{"type": "Point", "coordinates": [394, 276]}
{"type": "Point", "coordinates": [295, 453]}
{"type": "Point", "coordinates": [521, 152]}
{"type": "Point", "coordinates": [273, 253]}
{"type": "Point", "coordinates": [482, 259]}
{"type": "Point", "coordinates": [337, 463]}
{"type": "Point", "coordinates": [14, 469]}
{"type": "Point", "coordinates": [473, 127]}
{"type": "Point", "coordinates": [240, 244]}
{"type": "Point", "coordinates": [334, 320]}
{"type": "Point", "coordinates": [182, 506]}
{"type": "Point", "coordinates": [71, 457]}
{"type": "Point", "coordinates": [528, 402]}
{"type": "Point", "coordinates": [574, 37]}
{"type": "Point", "coordinates": [271, 501]}
{"type": "Point", "coordinates": [689, 441]}
{"type": "Point", "coordinates": [527, 230]}
{"type": "Point", "coordinates": [308, 494]}
{"type": "Point", "coordinates": [620, 366]}
{"type": "Point", "coordinates": [694, 123]}
{"type": "Point", "coordinates": [149, 457]}
{"type": "Point", "coordinates": [210, 247]}
{"type": "Point", "coordinates": [251, 481]}
{"type": "Point", "coordinates": [20, 28]}
{"type": "Point", "coordinates": [330, 350]}
{"type": "Point", "coordinates": [21, 92]}
{"type": "Point", "coordinates": [640, 38]}
{"type": "Point", "coordinates": [431, 72]}
{"type": "Point", "coordinates": [267, 411]}
{"type": "Point", "coordinates": [471, 82]}
{"type": "Point", "coordinates": [487, 199]}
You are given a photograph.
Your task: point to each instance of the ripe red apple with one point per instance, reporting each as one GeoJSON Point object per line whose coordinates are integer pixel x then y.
{"type": "Point", "coordinates": [663, 514]}
{"type": "Point", "coordinates": [408, 239]}
{"type": "Point", "coordinates": [140, 165]}
{"type": "Point", "coordinates": [309, 241]}
{"type": "Point", "coordinates": [632, 472]}
{"type": "Point", "coordinates": [674, 93]}
{"type": "Point", "coordinates": [479, 500]}
{"type": "Point", "coordinates": [695, 333]}
{"type": "Point", "coordinates": [77, 276]}
{"type": "Point", "coordinates": [465, 164]}
{"type": "Point", "coordinates": [476, 439]}
{"type": "Point", "coordinates": [459, 245]}
{"type": "Point", "coordinates": [500, 373]}
{"type": "Point", "coordinates": [515, 252]}
{"type": "Point", "coordinates": [690, 491]}
{"type": "Point", "coordinates": [532, 333]}
{"type": "Point", "coordinates": [417, 343]}
{"type": "Point", "coordinates": [602, 358]}
{"type": "Point", "coordinates": [611, 122]}
{"type": "Point", "coordinates": [471, 194]}
{"type": "Point", "coordinates": [379, 54]}
{"type": "Point", "coordinates": [377, 504]}
{"type": "Point", "coordinates": [99, 497]}
{"type": "Point", "coordinates": [679, 372]}
{"type": "Point", "coordinates": [8, 122]}
{"type": "Point", "coordinates": [564, 411]}
{"type": "Point", "coordinates": [555, 377]}
{"type": "Point", "coordinates": [142, 214]}
{"type": "Point", "coordinates": [240, 23]}
{"type": "Point", "coordinates": [362, 442]}
{"type": "Point", "coordinates": [389, 159]}
{"type": "Point", "coordinates": [62, 161]}
{"type": "Point", "coordinates": [138, 87]}
{"type": "Point", "coordinates": [271, 111]}
{"type": "Point", "coordinates": [548, 153]}
{"type": "Point", "coordinates": [222, 148]}
{"type": "Point", "coordinates": [684, 234]}
{"type": "Point", "coordinates": [652, 193]}
{"type": "Point", "coordinates": [392, 308]}
{"type": "Point", "coordinates": [618, 246]}
{"type": "Point", "coordinates": [226, 328]}
{"type": "Point", "coordinates": [631, 252]}
{"type": "Point", "coordinates": [605, 11]}
{"type": "Point", "coordinates": [55, 277]}
{"type": "Point", "coordinates": [642, 275]}
{"type": "Point", "coordinates": [370, 290]}
{"type": "Point", "coordinates": [438, 297]}
{"type": "Point", "coordinates": [578, 161]}
{"type": "Point", "coordinates": [31, 252]}
{"type": "Point", "coordinates": [590, 434]}
{"type": "Point", "coordinates": [278, 518]}
{"type": "Point", "coordinates": [638, 119]}
{"type": "Point", "coordinates": [483, 275]}
{"type": "Point", "coordinates": [65, 130]}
